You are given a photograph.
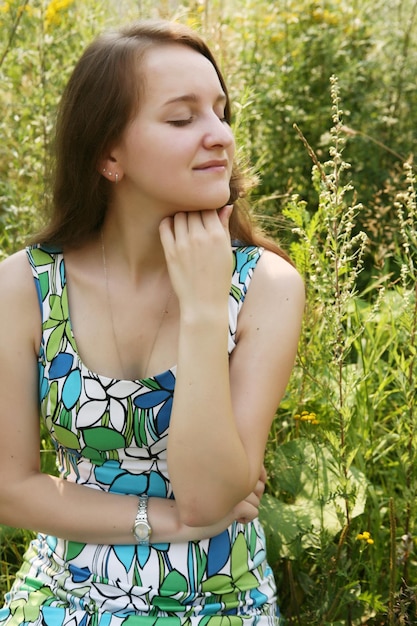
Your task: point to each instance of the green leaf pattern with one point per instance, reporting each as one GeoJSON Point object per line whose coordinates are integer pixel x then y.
{"type": "Point", "coordinates": [111, 435]}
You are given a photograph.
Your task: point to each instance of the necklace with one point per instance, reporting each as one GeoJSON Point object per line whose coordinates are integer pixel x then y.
{"type": "Point", "coordinates": [116, 343]}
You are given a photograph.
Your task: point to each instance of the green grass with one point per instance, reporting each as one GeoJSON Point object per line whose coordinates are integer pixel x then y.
{"type": "Point", "coordinates": [337, 185]}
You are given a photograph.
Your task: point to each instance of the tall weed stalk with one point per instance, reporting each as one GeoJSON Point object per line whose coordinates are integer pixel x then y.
{"type": "Point", "coordinates": [405, 362]}
{"type": "Point", "coordinates": [352, 396]}
{"type": "Point", "coordinates": [329, 251]}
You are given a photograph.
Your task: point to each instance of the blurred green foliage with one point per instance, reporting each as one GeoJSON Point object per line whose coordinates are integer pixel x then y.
{"type": "Point", "coordinates": [340, 505]}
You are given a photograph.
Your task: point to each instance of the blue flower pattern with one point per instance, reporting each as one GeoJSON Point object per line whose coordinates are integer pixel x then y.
{"type": "Point", "coordinates": [111, 435]}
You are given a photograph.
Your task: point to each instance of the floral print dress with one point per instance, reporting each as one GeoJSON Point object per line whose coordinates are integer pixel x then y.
{"type": "Point", "coordinates": [111, 435]}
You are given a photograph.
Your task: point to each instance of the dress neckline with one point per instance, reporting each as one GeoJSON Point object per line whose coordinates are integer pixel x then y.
{"type": "Point", "coordinates": [83, 366]}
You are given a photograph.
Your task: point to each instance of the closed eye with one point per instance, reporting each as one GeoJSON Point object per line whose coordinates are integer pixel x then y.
{"type": "Point", "coordinates": [190, 119]}
{"type": "Point", "coordinates": [181, 122]}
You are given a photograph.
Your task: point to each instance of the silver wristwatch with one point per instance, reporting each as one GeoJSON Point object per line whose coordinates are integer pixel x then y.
{"type": "Point", "coordinates": [141, 528]}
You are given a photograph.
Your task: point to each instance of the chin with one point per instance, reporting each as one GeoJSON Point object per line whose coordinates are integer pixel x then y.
{"type": "Point", "coordinates": [212, 196]}
{"type": "Point", "coordinates": [215, 203]}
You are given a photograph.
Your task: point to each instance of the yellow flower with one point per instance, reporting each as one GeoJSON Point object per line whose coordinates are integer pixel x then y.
{"type": "Point", "coordinates": [307, 416]}
{"type": "Point", "coordinates": [191, 22]}
{"type": "Point", "coordinates": [326, 16]}
{"type": "Point", "coordinates": [365, 536]}
{"type": "Point", "coordinates": [5, 7]}
{"type": "Point", "coordinates": [52, 13]}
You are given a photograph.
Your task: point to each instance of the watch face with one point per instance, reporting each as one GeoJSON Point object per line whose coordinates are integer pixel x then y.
{"type": "Point", "coordinates": [142, 531]}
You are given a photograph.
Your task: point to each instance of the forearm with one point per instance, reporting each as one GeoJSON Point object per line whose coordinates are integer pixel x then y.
{"type": "Point", "coordinates": [167, 526]}
{"type": "Point", "coordinates": [79, 513]}
{"type": "Point", "coordinates": [207, 461]}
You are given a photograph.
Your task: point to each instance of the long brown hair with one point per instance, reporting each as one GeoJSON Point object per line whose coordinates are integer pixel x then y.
{"type": "Point", "coordinates": [101, 97]}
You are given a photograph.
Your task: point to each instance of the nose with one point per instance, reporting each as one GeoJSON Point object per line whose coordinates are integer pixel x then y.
{"type": "Point", "coordinates": [218, 133]}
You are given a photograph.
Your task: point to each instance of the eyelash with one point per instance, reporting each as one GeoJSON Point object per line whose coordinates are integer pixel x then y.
{"type": "Point", "coordinates": [180, 123]}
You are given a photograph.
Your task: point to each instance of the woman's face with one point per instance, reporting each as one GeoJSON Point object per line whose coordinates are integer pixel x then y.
{"type": "Point", "coordinates": [177, 153]}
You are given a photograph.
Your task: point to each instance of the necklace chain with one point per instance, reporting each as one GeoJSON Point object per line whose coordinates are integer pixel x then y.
{"type": "Point", "coordinates": [116, 343]}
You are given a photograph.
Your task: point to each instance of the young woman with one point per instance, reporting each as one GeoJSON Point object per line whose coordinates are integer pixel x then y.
{"type": "Point", "coordinates": [154, 331]}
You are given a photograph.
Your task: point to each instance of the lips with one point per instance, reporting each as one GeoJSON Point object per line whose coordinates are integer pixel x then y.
{"type": "Point", "coordinates": [212, 165]}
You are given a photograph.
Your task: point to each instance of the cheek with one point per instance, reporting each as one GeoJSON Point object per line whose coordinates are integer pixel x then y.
{"type": "Point", "coordinates": [231, 154]}
{"type": "Point", "coordinates": [232, 148]}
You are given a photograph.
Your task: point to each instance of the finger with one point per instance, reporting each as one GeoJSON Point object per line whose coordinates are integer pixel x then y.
{"type": "Point", "coordinates": [166, 232]}
{"type": "Point", "coordinates": [259, 489]}
{"type": "Point", "coordinates": [224, 215]}
{"type": "Point", "coordinates": [248, 514]}
{"type": "Point", "coordinates": [180, 223]}
{"type": "Point", "coordinates": [217, 225]}
{"type": "Point", "coordinates": [252, 499]}
{"type": "Point", "coordinates": [196, 222]}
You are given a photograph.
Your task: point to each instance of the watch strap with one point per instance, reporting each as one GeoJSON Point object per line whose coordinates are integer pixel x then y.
{"type": "Point", "coordinates": [141, 528]}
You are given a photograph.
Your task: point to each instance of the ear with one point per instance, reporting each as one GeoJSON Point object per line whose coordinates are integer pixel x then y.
{"type": "Point", "coordinates": [110, 169]}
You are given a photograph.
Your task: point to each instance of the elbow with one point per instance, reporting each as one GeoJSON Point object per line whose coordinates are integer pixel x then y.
{"type": "Point", "coordinates": [206, 509]}
{"type": "Point", "coordinates": [200, 517]}
{"type": "Point", "coordinates": [7, 507]}
{"type": "Point", "coordinates": [15, 501]}
{"type": "Point", "coordinates": [212, 499]}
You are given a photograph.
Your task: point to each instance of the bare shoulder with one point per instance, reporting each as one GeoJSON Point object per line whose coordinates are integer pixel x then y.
{"type": "Point", "coordinates": [20, 336]}
{"type": "Point", "coordinates": [19, 304]}
{"type": "Point", "coordinates": [276, 294]}
{"type": "Point", "coordinates": [274, 278]}
{"type": "Point", "coordinates": [15, 276]}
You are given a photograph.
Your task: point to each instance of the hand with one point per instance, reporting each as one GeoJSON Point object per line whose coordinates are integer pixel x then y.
{"type": "Point", "coordinates": [198, 255]}
{"type": "Point", "coordinates": [247, 510]}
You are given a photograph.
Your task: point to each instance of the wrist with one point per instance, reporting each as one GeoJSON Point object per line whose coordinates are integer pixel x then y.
{"type": "Point", "coordinates": [141, 527]}
{"type": "Point", "coordinates": [167, 526]}
{"type": "Point", "coordinates": [203, 313]}
{"type": "Point", "coordinates": [164, 519]}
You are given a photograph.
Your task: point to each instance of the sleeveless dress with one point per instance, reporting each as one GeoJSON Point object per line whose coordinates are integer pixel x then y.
{"type": "Point", "coordinates": [111, 435]}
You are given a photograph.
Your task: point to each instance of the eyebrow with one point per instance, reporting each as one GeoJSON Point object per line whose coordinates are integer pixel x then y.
{"type": "Point", "coordinates": [192, 97]}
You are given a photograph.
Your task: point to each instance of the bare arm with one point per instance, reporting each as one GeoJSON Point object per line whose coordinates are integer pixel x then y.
{"type": "Point", "coordinates": [223, 409]}
{"type": "Point", "coordinates": [52, 505]}
{"type": "Point", "coordinates": [36, 501]}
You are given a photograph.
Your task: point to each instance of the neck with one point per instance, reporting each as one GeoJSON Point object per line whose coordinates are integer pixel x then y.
{"type": "Point", "coordinates": [163, 313]}
{"type": "Point", "coordinates": [134, 248]}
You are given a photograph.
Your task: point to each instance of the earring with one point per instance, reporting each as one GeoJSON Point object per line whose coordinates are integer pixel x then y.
{"type": "Point", "coordinates": [116, 176]}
